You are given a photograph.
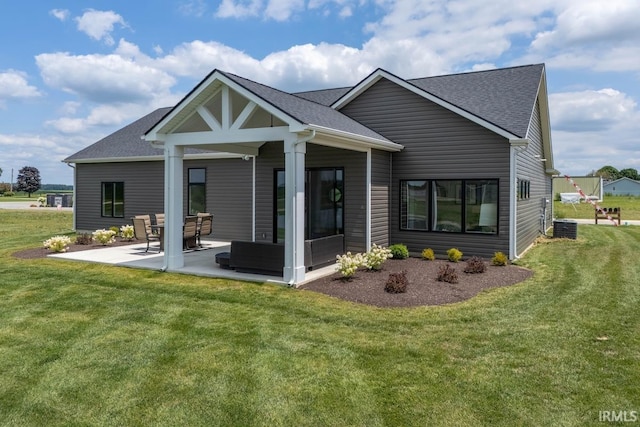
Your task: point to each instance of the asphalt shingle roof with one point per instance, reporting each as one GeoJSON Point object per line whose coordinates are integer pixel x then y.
{"type": "Point", "coordinates": [305, 111]}
{"type": "Point", "coordinates": [125, 142]}
{"type": "Point", "coordinates": [504, 97]}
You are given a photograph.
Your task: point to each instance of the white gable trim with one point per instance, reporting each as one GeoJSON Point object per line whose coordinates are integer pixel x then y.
{"type": "Point", "coordinates": [380, 74]}
{"type": "Point", "coordinates": [194, 99]}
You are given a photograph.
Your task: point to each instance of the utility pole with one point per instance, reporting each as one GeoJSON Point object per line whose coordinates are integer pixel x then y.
{"type": "Point", "coordinates": [11, 182]}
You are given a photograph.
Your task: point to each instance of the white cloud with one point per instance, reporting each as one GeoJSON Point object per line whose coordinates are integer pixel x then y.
{"type": "Point", "coordinates": [100, 24]}
{"type": "Point", "coordinates": [239, 9]}
{"type": "Point", "coordinates": [282, 10]}
{"type": "Point", "coordinates": [61, 14]}
{"type": "Point", "coordinates": [13, 84]}
{"type": "Point", "coordinates": [591, 110]}
{"type": "Point", "coordinates": [193, 8]}
{"type": "Point", "coordinates": [103, 78]}
{"type": "Point", "coordinates": [600, 35]}
{"type": "Point", "coordinates": [593, 128]}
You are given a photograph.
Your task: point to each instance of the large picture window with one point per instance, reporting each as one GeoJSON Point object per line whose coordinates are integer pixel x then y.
{"type": "Point", "coordinates": [324, 203]}
{"type": "Point", "coordinates": [458, 206]}
{"type": "Point", "coordinates": [113, 199]}
{"type": "Point", "coordinates": [197, 191]}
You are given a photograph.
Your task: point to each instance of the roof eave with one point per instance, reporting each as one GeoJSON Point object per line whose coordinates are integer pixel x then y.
{"type": "Point", "coordinates": [350, 139]}
{"type": "Point", "coordinates": [212, 155]}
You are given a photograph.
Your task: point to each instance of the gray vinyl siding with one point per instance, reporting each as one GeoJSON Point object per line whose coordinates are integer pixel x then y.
{"type": "Point", "coordinates": [439, 144]}
{"type": "Point", "coordinates": [143, 192]}
{"type": "Point", "coordinates": [529, 215]}
{"type": "Point", "coordinates": [380, 196]}
{"type": "Point", "coordinates": [228, 188]}
{"type": "Point", "coordinates": [354, 163]}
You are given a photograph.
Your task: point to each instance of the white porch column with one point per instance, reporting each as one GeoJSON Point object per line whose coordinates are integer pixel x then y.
{"type": "Point", "coordinates": [173, 195]}
{"type": "Point", "coordinates": [294, 165]}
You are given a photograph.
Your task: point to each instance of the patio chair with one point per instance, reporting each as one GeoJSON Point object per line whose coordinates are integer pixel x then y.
{"type": "Point", "coordinates": [141, 233]}
{"type": "Point", "coordinates": [147, 222]}
{"type": "Point", "coordinates": [205, 227]}
{"type": "Point", "coordinates": [189, 231]}
{"type": "Point", "coordinates": [159, 219]}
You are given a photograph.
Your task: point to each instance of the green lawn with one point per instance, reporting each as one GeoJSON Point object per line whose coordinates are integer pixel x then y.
{"type": "Point", "coordinates": [630, 208]}
{"type": "Point", "coordinates": [85, 344]}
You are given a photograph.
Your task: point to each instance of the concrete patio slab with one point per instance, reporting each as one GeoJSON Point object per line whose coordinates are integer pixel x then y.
{"type": "Point", "coordinates": [199, 262]}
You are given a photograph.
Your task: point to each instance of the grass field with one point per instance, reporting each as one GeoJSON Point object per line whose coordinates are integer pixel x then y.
{"type": "Point", "coordinates": [630, 208]}
{"type": "Point", "coordinates": [88, 344]}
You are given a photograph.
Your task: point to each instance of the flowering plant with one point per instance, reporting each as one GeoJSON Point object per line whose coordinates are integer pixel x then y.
{"type": "Point", "coordinates": [58, 243]}
{"type": "Point", "coordinates": [42, 201]}
{"type": "Point", "coordinates": [105, 237]}
{"type": "Point", "coordinates": [348, 264]}
{"type": "Point", "coordinates": [374, 259]}
{"type": "Point", "coordinates": [126, 231]}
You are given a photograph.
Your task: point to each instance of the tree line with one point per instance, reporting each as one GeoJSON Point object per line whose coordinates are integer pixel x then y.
{"type": "Point", "coordinates": [610, 173]}
{"type": "Point", "coordinates": [28, 181]}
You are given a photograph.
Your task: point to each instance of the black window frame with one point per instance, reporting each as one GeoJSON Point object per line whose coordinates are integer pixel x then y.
{"type": "Point", "coordinates": [115, 188]}
{"type": "Point", "coordinates": [307, 214]}
{"type": "Point", "coordinates": [464, 198]}
{"type": "Point", "coordinates": [196, 184]}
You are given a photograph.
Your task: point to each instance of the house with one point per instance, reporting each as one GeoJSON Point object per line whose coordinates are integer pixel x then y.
{"type": "Point", "coordinates": [462, 160]}
{"type": "Point", "coordinates": [622, 187]}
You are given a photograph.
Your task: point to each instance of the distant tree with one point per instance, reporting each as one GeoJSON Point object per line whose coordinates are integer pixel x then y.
{"type": "Point", "coordinates": [0, 171]}
{"type": "Point", "coordinates": [608, 173]}
{"type": "Point", "coordinates": [630, 173]}
{"type": "Point", "coordinates": [28, 180]}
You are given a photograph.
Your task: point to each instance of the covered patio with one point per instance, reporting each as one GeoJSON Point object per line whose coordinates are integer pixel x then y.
{"type": "Point", "coordinates": [229, 114]}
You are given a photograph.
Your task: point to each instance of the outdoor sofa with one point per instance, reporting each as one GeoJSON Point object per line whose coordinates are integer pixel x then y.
{"type": "Point", "coordinates": [268, 258]}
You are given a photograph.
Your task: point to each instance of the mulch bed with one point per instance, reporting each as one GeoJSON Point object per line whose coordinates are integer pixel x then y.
{"type": "Point", "coordinates": [423, 288]}
{"type": "Point", "coordinates": [368, 287]}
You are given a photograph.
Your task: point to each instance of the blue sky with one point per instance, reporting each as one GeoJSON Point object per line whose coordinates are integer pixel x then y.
{"type": "Point", "coordinates": [73, 72]}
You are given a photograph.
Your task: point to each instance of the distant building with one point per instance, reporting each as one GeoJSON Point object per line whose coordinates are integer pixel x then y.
{"type": "Point", "coordinates": [622, 187]}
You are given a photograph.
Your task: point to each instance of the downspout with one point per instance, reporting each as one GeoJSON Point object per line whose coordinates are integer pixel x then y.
{"type": "Point", "coordinates": [516, 146]}
{"type": "Point", "coordinates": [75, 181]}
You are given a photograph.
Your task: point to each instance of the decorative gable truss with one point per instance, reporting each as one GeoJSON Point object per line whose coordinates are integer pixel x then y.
{"type": "Point", "coordinates": [218, 117]}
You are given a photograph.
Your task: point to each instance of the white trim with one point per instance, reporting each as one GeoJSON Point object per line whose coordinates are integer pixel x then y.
{"type": "Point", "coordinates": [253, 199]}
{"type": "Point", "coordinates": [378, 74]}
{"type": "Point", "coordinates": [348, 140]}
{"type": "Point", "coordinates": [228, 137]}
{"type": "Point", "coordinates": [208, 118]}
{"type": "Point", "coordinates": [245, 115]}
{"type": "Point", "coordinates": [516, 145]}
{"type": "Point", "coordinates": [368, 196]}
{"type": "Point", "coordinates": [199, 156]}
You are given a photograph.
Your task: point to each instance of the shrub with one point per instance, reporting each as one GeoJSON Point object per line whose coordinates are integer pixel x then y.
{"type": "Point", "coordinates": [397, 283]}
{"type": "Point", "coordinates": [115, 229]}
{"type": "Point", "coordinates": [475, 265]}
{"type": "Point", "coordinates": [374, 259]}
{"type": "Point", "coordinates": [84, 239]}
{"type": "Point", "coordinates": [499, 258]}
{"type": "Point", "coordinates": [446, 273]}
{"type": "Point", "coordinates": [42, 201]}
{"type": "Point", "coordinates": [105, 237]}
{"type": "Point", "coordinates": [348, 264]}
{"type": "Point", "coordinates": [399, 251]}
{"type": "Point", "coordinates": [454, 255]}
{"type": "Point", "coordinates": [9, 194]}
{"type": "Point", "coordinates": [428, 254]}
{"type": "Point", "coordinates": [126, 231]}
{"type": "Point", "coordinates": [58, 243]}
